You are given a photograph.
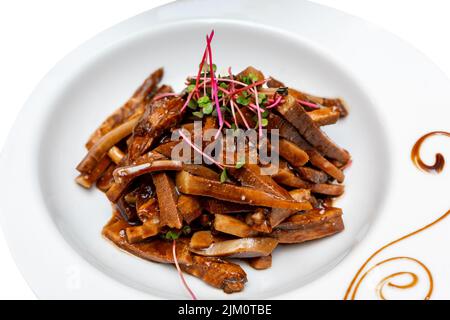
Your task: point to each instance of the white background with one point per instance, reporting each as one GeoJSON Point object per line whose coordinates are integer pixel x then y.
{"type": "Point", "coordinates": [36, 34]}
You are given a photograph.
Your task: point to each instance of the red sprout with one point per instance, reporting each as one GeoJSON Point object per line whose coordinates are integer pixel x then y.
{"type": "Point", "coordinates": [275, 103]}
{"type": "Point", "coordinates": [308, 104]}
{"type": "Point", "coordinates": [254, 84]}
{"type": "Point", "coordinates": [164, 95]}
{"type": "Point", "coordinates": [189, 142]}
{"type": "Point", "coordinates": [180, 273]}
{"type": "Point", "coordinates": [213, 80]}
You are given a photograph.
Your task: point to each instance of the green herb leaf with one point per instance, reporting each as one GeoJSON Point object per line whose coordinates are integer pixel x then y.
{"type": "Point", "coordinates": [240, 164]}
{"type": "Point", "coordinates": [208, 109]}
{"type": "Point", "coordinates": [214, 113]}
{"type": "Point", "coordinates": [223, 176]}
{"type": "Point", "coordinates": [253, 77]}
{"type": "Point", "coordinates": [206, 68]}
{"type": "Point", "coordinates": [265, 114]}
{"type": "Point", "coordinates": [192, 104]}
{"type": "Point", "coordinates": [198, 114]}
{"type": "Point", "coordinates": [186, 230]}
{"type": "Point", "coordinates": [262, 98]}
{"type": "Point", "coordinates": [190, 88]}
{"type": "Point", "coordinates": [223, 85]}
{"type": "Point", "coordinates": [171, 235]}
{"type": "Point", "coordinates": [243, 99]}
{"type": "Point", "coordinates": [264, 122]}
{"type": "Point", "coordinates": [203, 101]}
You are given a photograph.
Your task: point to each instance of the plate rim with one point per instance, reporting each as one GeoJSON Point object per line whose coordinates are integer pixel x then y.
{"type": "Point", "coordinates": [86, 50]}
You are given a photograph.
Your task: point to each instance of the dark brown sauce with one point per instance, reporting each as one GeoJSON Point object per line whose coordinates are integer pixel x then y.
{"type": "Point", "coordinates": [354, 285]}
{"type": "Point", "coordinates": [353, 288]}
{"type": "Point", "coordinates": [439, 164]}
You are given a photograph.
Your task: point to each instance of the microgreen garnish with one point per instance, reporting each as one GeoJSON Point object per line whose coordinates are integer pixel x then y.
{"type": "Point", "coordinates": [190, 88]}
{"type": "Point", "coordinates": [172, 235]}
{"type": "Point", "coordinates": [243, 99]}
{"type": "Point", "coordinates": [264, 122]}
{"type": "Point", "coordinates": [223, 175]}
{"type": "Point", "coordinates": [198, 114]}
{"type": "Point", "coordinates": [207, 68]}
{"type": "Point", "coordinates": [208, 109]}
{"type": "Point", "coordinates": [249, 79]}
{"type": "Point", "coordinates": [192, 104]}
{"type": "Point", "coordinates": [240, 164]}
{"type": "Point", "coordinates": [186, 230]}
{"type": "Point", "coordinates": [203, 101]}
{"type": "Point", "coordinates": [262, 98]}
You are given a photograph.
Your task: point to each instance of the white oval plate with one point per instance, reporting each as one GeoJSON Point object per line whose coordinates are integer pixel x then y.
{"type": "Point", "coordinates": [395, 94]}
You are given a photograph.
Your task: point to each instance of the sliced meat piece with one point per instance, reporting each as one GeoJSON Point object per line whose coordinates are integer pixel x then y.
{"type": "Point", "coordinates": [250, 175]}
{"type": "Point", "coordinates": [193, 185]}
{"type": "Point", "coordinates": [167, 200]}
{"type": "Point", "coordinates": [157, 250]}
{"type": "Point", "coordinates": [312, 175]}
{"type": "Point", "coordinates": [292, 153]}
{"type": "Point", "coordinates": [320, 162]}
{"type": "Point", "coordinates": [338, 103]}
{"type": "Point", "coordinates": [233, 226]}
{"type": "Point", "coordinates": [277, 216]}
{"type": "Point", "coordinates": [214, 206]}
{"type": "Point", "coordinates": [107, 179]}
{"type": "Point", "coordinates": [161, 115]}
{"type": "Point", "coordinates": [104, 144]}
{"type": "Point", "coordinates": [325, 116]}
{"type": "Point", "coordinates": [288, 132]}
{"type": "Point", "coordinates": [127, 173]}
{"type": "Point", "coordinates": [201, 171]}
{"type": "Point", "coordinates": [334, 190]}
{"type": "Point", "coordinates": [127, 211]}
{"type": "Point", "coordinates": [166, 148]}
{"type": "Point", "coordinates": [116, 155]}
{"type": "Point", "coordinates": [312, 225]}
{"type": "Point", "coordinates": [216, 272]}
{"type": "Point", "coordinates": [148, 210]}
{"type": "Point", "coordinates": [260, 263]}
{"type": "Point", "coordinates": [134, 106]}
{"type": "Point", "coordinates": [274, 83]}
{"type": "Point", "coordinates": [298, 117]}
{"type": "Point", "coordinates": [87, 180]}
{"type": "Point", "coordinates": [189, 207]}
{"type": "Point", "coordinates": [301, 220]}
{"type": "Point", "coordinates": [201, 240]}
{"type": "Point", "coordinates": [258, 220]}
{"type": "Point", "coordinates": [239, 248]}
{"type": "Point", "coordinates": [287, 177]}
{"type": "Point", "coordinates": [162, 90]}
{"type": "Point", "coordinates": [118, 188]}
{"type": "Point", "coordinates": [140, 233]}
